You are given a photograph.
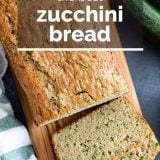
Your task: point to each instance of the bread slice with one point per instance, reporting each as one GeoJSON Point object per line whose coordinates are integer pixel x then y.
{"type": "Point", "coordinates": [59, 84]}
{"type": "Point", "coordinates": [147, 151]}
{"type": "Point", "coordinates": [108, 133]}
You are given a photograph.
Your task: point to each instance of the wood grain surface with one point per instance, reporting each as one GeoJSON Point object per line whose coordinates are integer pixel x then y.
{"type": "Point", "coordinates": [42, 136]}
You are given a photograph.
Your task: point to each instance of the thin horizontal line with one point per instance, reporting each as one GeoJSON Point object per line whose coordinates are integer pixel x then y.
{"type": "Point", "coordinates": [81, 49]}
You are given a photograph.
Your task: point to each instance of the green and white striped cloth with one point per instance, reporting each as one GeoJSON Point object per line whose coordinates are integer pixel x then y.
{"type": "Point", "coordinates": [15, 143]}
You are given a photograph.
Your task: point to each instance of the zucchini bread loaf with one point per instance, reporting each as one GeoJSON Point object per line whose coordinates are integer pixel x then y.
{"type": "Point", "coordinates": [59, 84]}
{"type": "Point", "coordinates": [112, 132]}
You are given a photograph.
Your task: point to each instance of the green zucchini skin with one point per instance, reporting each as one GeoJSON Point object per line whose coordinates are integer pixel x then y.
{"type": "Point", "coordinates": [149, 16]}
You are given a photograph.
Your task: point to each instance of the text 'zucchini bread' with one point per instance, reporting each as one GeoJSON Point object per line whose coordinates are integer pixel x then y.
{"type": "Point", "coordinates": [59, 84]}
{"type": "Point", "coordinates": [110, 132]}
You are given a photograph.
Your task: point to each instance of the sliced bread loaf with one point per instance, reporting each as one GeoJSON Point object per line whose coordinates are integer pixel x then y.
{"type": "Point", "coordinates": [147, 151]}
{"type": "Point", "coordinates": [106, 134]}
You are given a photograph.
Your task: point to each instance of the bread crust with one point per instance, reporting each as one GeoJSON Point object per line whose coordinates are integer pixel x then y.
{"type": "Point", "coordinates": [69, 75]}
{"type": "Point", "coordinates": [8, 24]}
{"type": "Point", "coordinates": [35, 80]}
{"type": "Point", "coordinates": [151, 140]}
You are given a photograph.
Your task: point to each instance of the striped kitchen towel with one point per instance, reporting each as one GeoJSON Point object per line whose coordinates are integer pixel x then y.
{"type": "Point", "coordinates": [15, 143]}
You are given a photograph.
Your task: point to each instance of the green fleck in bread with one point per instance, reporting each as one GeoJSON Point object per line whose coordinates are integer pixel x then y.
{"type": "Point", "coordinates": [59, 84]}
{"type": "Point", "coordinates": [147, 151]}
{"type": "Point", "coordinates": [108, 133]}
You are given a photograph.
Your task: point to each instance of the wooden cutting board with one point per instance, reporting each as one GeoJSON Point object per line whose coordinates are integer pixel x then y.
{"type": "Point", "coordinates": [42, 136]}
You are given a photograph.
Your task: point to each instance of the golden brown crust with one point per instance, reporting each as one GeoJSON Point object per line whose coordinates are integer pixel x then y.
{"type": "Point", "coordinates": [147, 149]}
{"type": "Point", "coordinates": [8, 24]}
{"type": "Point", "coordinates": [61, 83]}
